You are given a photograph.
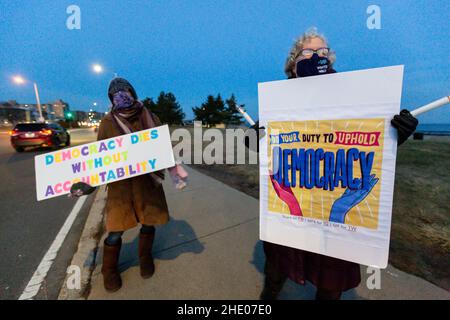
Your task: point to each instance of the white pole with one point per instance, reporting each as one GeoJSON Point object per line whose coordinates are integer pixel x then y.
{"type": "Point", "coordinates": [428, 107]}
{"type": "Point", "coordinates": [245, 114]}
{"type": "Point", "coordinates": [41, 118]}
{"type": "Point", "coordinates": [433, 105]}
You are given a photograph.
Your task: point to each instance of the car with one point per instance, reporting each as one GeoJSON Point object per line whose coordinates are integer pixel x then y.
{"type": "Point", "coordinates": [38, 135]}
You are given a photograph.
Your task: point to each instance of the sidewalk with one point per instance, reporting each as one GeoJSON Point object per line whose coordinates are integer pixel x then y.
{"type": "Point", "coordinates": [210, 250]}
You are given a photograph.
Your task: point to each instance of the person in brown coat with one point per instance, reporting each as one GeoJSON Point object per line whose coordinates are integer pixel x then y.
{"type": "Point", "coordinates": [131, 201]}
{"type": "Point", "coordinates": [310, 56]}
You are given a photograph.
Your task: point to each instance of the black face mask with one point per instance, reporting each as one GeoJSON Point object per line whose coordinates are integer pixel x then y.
{"type": "Point", "coordinates": [312, 67]}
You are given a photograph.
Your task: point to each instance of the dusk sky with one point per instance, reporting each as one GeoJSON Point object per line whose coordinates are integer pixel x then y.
{"type": "Point", "coordinates": [195, 48]}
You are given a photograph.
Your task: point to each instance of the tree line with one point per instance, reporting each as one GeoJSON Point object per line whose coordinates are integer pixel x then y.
{"type": "Point", "coordinates": [213, 111]}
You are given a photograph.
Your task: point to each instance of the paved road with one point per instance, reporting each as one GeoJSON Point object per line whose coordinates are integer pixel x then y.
{"type": "Point", "coordinates": [28, 227]}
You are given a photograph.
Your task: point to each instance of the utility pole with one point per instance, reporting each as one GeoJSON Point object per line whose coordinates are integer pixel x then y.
{"type": "Point", "coordinates": [41, 118]}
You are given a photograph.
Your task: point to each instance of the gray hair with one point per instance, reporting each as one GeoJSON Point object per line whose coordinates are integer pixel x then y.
{"type": "Point", "coordinates": [298, 47]}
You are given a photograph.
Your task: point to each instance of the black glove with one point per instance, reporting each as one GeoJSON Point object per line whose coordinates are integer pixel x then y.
{"type": "Point", "coordinates": [259, 134]}
{"type": "Point", "coordinates": [406, 124]}
{"type": "Point", "coordinates": [81, 189]}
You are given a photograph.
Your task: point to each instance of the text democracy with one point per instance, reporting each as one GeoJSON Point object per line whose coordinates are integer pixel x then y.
{"type": "Point", "coordinates": [337, 168]}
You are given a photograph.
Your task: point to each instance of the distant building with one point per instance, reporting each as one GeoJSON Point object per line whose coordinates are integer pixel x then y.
{"type": "Point", "coordinates": [94, 116]}
{"type": "Point", "coordinates": [47, 111]}
{"type": "Point", "coordinates": [59, 109]}
{"type": "Point", "coordinates": [11, 112]}
{"type": "Point", "coordinates": [80, 116]}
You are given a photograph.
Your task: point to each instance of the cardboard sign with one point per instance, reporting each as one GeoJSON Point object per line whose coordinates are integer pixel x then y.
{"type": "Point", "coordinates": [104, 161]}
{"type": "Point", "coordinates": [327, 163]}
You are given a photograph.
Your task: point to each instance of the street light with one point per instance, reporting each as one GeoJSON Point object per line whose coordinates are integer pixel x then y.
{"type": "Point", "coordinates": [20, 81]}
{"type": "Point", "coordinates": [97, 68]}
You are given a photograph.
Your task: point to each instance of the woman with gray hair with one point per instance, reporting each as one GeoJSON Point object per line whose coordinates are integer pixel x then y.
{"type": "Point", "coordinates": [311, 56]}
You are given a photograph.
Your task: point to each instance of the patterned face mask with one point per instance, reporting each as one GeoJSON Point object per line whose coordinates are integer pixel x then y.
{"type": "Point", "coordinates": [312, 67]}
{"type": "Point", "coordinates": [123, 99]}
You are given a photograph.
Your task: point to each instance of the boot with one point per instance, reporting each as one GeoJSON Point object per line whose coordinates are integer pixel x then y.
{"type": "Point", "coordinates": [110, 271]}
{"type": "Point", "coordinates": [145, 254]}
{"type": "Point", "coordinates": [273, 282]}
{"type": "Point", "coordinates": [271, 290]}
{"type": "Point", "coordinates": [324, 294]}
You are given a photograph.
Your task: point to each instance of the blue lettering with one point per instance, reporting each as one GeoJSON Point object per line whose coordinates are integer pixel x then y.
{"type": "Point", "coordinates": [49, 159]}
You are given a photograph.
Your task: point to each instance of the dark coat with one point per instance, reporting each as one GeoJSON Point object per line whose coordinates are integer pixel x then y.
{"type": "Point", "coordinates": [133, 200]}
{"type": "Point", "coordinates": [324, 272]}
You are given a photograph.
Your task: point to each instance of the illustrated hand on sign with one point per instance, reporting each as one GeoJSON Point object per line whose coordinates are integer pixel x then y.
{"type": "Point", "coordinates": [287, 196]}
{"type": "Point", "coordinates": [351, 198]}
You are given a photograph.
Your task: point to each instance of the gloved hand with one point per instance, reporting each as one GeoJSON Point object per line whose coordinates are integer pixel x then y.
{"type": "Point", "coordinates": [80, 189]}
{"type": "Point", "coordinates": [406, 124]}
{"type": "Point", "coordinates": [259, 134]}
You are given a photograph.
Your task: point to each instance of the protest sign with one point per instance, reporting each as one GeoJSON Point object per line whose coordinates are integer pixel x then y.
{"type": "Point", "coordinates": [103, 161]}
{"type": "Point", "coordinates": [327, 163]}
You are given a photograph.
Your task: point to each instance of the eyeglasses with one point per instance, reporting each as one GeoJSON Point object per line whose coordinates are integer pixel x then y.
{"type": "Point", "coordinates": [308, 53]}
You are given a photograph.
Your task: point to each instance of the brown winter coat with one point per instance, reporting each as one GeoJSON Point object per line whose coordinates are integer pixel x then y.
{"type": "Point", "coordinates": [134, 200]}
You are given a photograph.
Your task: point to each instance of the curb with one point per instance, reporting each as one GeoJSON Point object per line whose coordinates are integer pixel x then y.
{"type": "Point", "coordinates": [86, 253]}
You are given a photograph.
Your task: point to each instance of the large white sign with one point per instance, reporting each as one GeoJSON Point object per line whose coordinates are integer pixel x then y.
{"type": "Point", "coordinates": [327, 163]}
{"type": "Point", "coordinates": [104, 161]}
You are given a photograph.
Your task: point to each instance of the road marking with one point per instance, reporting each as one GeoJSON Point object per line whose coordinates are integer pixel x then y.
{"type": "Point", "coordinates": [39, 275]}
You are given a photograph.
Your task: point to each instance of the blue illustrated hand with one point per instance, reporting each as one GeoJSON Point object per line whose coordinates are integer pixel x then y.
{"type": "Point", "coordinates": [349, 199]}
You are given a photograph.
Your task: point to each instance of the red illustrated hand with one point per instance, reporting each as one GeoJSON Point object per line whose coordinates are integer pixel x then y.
{"type": "Point", "coordinates": [287, 196]}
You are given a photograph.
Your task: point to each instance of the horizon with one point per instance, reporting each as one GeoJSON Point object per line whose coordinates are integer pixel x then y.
{"type": "Point", "coordinates": [200, 48]}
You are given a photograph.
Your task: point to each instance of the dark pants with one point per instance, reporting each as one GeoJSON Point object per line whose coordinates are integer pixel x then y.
{"type": "Point", "coordinates": [274, 281]}
{"type": "Point", "coordinates": [115, 237]}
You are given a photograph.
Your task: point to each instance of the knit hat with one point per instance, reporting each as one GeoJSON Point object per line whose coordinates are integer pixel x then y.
{"type": "Point", "coordinates": [120, 84]}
